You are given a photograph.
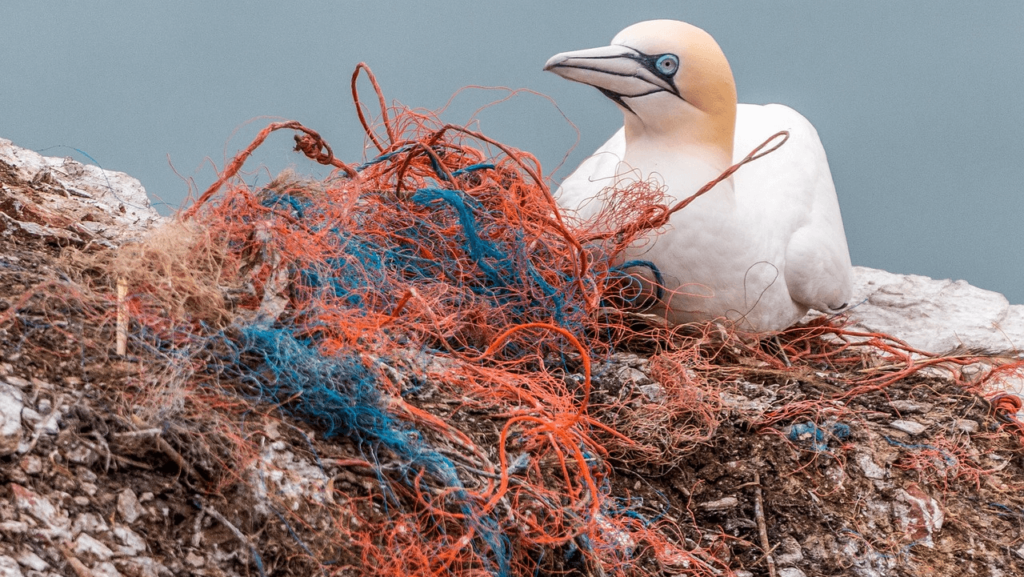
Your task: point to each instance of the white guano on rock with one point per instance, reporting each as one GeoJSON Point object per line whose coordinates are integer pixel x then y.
{"type": "Point", "coordinates": [936, 316]}
{"type": "Point", "coordinates": [60, 198]}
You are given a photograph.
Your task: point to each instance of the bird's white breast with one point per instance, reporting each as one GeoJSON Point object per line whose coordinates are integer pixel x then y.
{"type": "Point", "coordinates": [758, 249]}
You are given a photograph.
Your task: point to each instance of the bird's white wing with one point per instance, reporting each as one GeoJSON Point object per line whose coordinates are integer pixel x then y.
{"type": "Point", "coordinates": [579, 191]}
{"type": "Point", "coordinates": [793, 188]}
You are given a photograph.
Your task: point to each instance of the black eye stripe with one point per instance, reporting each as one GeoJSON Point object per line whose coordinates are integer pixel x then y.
{"type": "Point", "coordinates": [650, 62]}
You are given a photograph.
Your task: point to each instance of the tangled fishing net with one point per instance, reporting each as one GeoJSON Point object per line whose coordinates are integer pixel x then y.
{"type": "Point", "coordinates": [433, 310]}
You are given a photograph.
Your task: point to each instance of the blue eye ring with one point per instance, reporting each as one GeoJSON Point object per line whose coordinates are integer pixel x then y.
{"type": "Point", "coordinates": [667, 64]}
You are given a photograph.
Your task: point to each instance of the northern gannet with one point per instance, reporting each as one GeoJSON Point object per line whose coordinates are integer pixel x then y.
{"type": "Point", "coordinates": [760, 248]}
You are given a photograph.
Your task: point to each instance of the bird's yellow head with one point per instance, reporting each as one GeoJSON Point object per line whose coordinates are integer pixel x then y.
{"type": "Point", "coordinates": [670, 78]}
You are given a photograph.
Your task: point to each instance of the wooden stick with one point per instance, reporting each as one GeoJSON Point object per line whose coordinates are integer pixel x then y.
{"type": "Point", "coordinates": [79, 568]}
{"type": "Point", "coordinates": [206, 508]}
{"type": "Point", "coordinates": [764, 556]}
{"type": "Point", "coordinates": [114, 456]}
{"type": "Point", "coordinates": [122, 317]}
{"type": "Point", "coordinates": [762, 528]}
{"type": "Point", "coordinates": [175, 456]}
{"type": "Point", "coordinates": [142, 433]}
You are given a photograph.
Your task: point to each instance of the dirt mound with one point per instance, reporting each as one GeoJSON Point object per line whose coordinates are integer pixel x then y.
{"type": "Point", "coordinates": [920, 477]}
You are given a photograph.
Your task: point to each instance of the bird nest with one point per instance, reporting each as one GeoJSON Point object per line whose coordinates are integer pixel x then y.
{"type": "Point", "coordinates": [416, 367]}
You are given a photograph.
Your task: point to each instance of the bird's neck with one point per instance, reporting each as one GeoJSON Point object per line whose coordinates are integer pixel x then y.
{"type": "Point", "coordinates": [680, 159]}
{"type": "Point", "coordinates": [708, 134]}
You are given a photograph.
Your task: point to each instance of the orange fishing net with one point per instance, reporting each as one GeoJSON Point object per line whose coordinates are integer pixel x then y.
{"type": "Point", "coordinates": [442, 268]}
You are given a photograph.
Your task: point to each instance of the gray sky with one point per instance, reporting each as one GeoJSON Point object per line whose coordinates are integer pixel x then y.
{"type": "Point", "coordinates": [920, 103]}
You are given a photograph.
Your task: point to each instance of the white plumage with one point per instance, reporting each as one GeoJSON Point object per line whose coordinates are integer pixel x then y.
{"type": "Point", "coordinates": [761, 247]}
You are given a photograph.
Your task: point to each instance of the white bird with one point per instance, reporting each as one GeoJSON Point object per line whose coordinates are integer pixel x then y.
{"type": "Point", "coordinates": [761, 247]}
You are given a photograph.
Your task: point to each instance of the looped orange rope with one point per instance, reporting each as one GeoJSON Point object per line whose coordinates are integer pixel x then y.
{"type": "Point", "coordinates": [1006, 406]}
{"type": "Point", "coordinates": [310, 143]}
{"type": "Point", "coordinates": [315, 148]}
{"type": "Point", "coordinates": [1005, 403]}
{"type": "Point", "coordinates": [362, 66]}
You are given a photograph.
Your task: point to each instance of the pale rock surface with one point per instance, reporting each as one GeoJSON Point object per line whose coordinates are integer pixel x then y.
{"type": "Point", "coordinates": [11, 405]}
{"type": "Point", "coordinates": [88, 523]}
{"type": "Point", "coordinates": [869, 467]}
{"type": "Point", "coordinates": [31, 464]}
{"type": "Point", "coordinates": [130, 543]}
{"type": "Point", "coordinates": [145, 567]}
{"type": "Point", "coordinates": [89, 547]}
{"type": "Point", "coordinates": [50, 425]}
{"type": "Point", "coordinates": [105, 569]}
{"type": "Point", "coordinates": [9, 567]}
{"type": "Point", "coordinates": [292, 479]}
{"type": "Point", "coordinates": [791, 552]}
{"type": "Point", "coordinates": [909, 427]}
{"type": "Point", "coordinates": [940, 316]}
{"type": "Point", "coordinates": [936, 316]}
{"type": "Point", "coordinates": [64, 199]}
{"type": "Point", "coordinates": [128, 506]}
{"type": "Point", "coordinates": [28, 559]}
{"type": "Point", "coordinates": [56, 524]}
{"type": "Point", "coordinates": [13, 527]}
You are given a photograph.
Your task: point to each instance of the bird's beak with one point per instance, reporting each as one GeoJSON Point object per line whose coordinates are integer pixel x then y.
{"type": "Point", "coordinates": [617, 71]}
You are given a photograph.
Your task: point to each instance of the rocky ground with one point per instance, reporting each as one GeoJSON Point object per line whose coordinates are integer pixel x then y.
{"type": "Point", "coordinates": [921, 477]}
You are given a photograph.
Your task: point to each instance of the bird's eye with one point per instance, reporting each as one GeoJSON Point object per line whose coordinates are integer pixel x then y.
{"type": "Point", "coordinates": [667, 64]}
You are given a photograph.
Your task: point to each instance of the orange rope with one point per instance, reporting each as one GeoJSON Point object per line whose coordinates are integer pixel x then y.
{"type": "Point", "coordinates": [311, 144]}
{"type": "Point", "coordinates": [657, 216]}
{"type": "Point", "coordinates": [380, 100]}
